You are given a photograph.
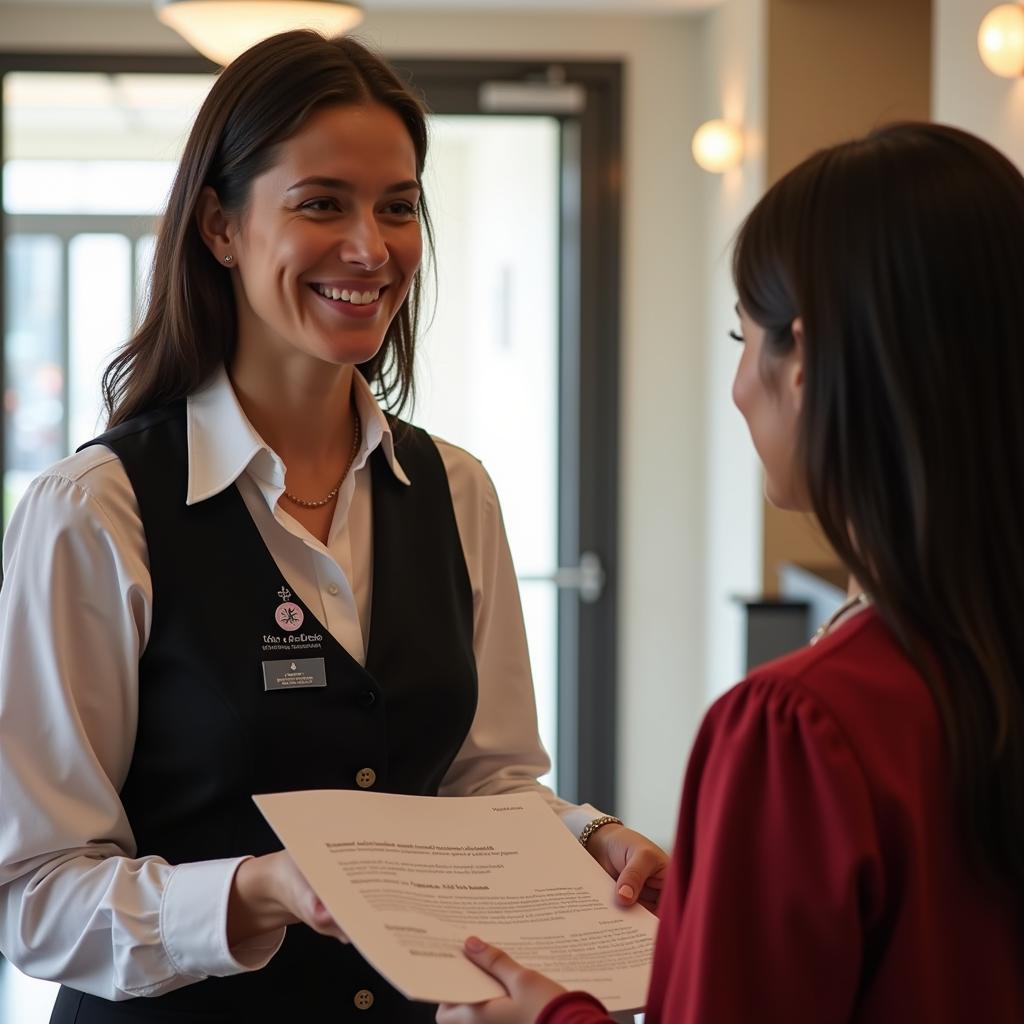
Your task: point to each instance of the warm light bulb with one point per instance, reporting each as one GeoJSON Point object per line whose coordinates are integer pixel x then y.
{"type": "Point", "coordinates": [1001, 40]}
{"type": "Point", "coordinates": [222, 29]}
{"type": "Point", "coordinates": [717, 146]}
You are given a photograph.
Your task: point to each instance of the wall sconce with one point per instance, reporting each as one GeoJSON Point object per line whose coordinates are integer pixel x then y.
{"type": "Point", "coordinates": [1001, 40]}
{"type": "Point", "coordinates": [717, 146]}
{"type": "Point", "coordinates": [222, 29]}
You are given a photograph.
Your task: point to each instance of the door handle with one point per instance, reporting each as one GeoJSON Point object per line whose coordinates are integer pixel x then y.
{"type": "Point", "coordinates": [588, 577]}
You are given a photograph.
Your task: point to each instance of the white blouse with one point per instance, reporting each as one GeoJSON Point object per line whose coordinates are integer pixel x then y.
{"type": "Point", "coordinates": [76, 904]}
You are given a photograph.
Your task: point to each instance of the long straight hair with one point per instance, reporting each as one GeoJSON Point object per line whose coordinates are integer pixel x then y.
{"type": "Point", "coordinates": [258, 101]}
{"type": "Point", "coordinates": [901, 252]}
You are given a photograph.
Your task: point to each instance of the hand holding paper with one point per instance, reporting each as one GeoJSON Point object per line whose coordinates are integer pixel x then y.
{"type": "Point", "coordinates": [527, 991]}
{"type": "Point", "coordinates": [409, 878]}
{"type": "Point", "coordinates": [638, 866]}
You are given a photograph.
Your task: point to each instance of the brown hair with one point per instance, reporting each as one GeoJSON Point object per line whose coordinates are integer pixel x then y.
{"type": "Point", "coordinates": [258, 101]}
{"type": "Point", "coordinates": [901, 254]}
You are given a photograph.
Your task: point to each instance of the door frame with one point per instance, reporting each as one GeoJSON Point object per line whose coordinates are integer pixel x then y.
{"type": "Point", "coordinates": [591, 202]}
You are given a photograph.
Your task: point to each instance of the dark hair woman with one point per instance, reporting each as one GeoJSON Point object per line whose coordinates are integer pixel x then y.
{"type": "Point", "coordinates": [851, 837]}
{"type": "Point", "coordinates": [253, 504]}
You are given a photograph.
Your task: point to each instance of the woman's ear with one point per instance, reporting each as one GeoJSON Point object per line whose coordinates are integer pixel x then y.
{"type": "Point", "coordinates": [794, 373]}
{"type": "Point", "coordinates": [215, 226]}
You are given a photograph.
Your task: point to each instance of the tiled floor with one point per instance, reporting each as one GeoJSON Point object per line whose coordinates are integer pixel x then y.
{"type": "Point", "coordinates": [24, 1000]}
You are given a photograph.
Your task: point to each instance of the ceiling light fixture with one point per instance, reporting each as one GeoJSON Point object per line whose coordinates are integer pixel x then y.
{"type": "Point", "coordinates": [222, 29]}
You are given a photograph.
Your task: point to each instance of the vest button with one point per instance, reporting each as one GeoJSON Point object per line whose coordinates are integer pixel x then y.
{"type": "Point", "coordinates": [365, 778]}
{"type": "Point", "coordinates": [333, 589]}
{"type": "Point", "coordinates": [363, 999]}
{"type": "Point", "coordinates": [367, 698]}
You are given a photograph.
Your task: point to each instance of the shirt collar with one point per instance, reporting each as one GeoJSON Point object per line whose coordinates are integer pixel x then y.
{"type": "Point", "coordinates": [222, 443]}
{"type": "Point", "coordinates": [376, 428]}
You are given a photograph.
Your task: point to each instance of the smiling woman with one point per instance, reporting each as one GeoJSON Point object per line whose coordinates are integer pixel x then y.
{"type": "Point", "coordinates": [256, 496]}
{"type": "Point", "coordinates": [328, 244]}
{"type": "Point", "coordinates": [323, 253]}
{"type": "Point", "coordinates": [309, 150]}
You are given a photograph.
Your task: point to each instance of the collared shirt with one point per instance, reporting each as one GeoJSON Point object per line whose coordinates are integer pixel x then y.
{"type": "Point", "coordinates": [76, 904]}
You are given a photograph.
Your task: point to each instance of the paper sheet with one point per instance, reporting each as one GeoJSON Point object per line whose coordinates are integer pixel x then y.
{"type": "Point", "coordinates": [409, 878]}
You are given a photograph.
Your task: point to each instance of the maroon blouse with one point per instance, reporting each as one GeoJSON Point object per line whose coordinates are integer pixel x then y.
{"type": "Point", "coordinates": [819, 875]}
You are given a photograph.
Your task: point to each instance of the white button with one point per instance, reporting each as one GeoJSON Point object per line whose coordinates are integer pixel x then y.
{"type": "Point", "coordinates": [333, 589]}
{"type": "Point", "coordinates": [365, 778]}
{"type": "Point", "coordinates": [363, 999]}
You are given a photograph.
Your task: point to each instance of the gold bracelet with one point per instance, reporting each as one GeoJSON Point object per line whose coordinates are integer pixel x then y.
{"type": "Point", "coordinates": [594, 825]}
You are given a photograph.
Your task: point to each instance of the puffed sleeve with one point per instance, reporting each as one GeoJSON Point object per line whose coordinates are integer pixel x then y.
{"type": "Point", "coordinates": [777, 873]}
{"type": "Point", "coordinates": [76, 904]}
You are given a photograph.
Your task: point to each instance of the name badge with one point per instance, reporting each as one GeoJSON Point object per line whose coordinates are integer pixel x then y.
{"type": "Point", "coordinates": [299, 674]}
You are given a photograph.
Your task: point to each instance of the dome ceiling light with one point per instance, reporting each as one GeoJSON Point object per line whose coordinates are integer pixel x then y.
{"type": "Point", "coordinates": [222, 29]}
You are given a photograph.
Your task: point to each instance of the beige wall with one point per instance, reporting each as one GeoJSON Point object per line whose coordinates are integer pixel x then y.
{"type": "Point", "coordinates": [965, 93]}
{"type": "Point", "coordinates": [836, 70]}
{"type": "Point", "coordinates": [662, 366]}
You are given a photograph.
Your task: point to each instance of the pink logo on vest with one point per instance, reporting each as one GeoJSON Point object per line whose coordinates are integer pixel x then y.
{"type": "Point", "coordinates": [288, 615]}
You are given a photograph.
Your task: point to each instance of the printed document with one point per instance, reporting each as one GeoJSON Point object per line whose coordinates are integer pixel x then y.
{"type": "Point", "coordinates": [409, 878]}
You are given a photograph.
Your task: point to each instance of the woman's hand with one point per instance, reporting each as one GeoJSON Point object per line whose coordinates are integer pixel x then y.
{"type": "Point", "coordinates": [638, 866]}
{"type": "Point", "coordinates": [528, 991]}
{"type": "Point", "coordinates": [269, 893]}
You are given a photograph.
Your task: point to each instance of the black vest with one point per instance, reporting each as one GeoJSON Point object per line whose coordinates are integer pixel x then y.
{"type": "Point", "coordinates": [209, 734]}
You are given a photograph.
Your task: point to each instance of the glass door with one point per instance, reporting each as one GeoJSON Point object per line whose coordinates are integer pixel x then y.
{"type": "Point", "coordinates": [488, 368]}
{"type": "Point", "coordinates": [88, 161]}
